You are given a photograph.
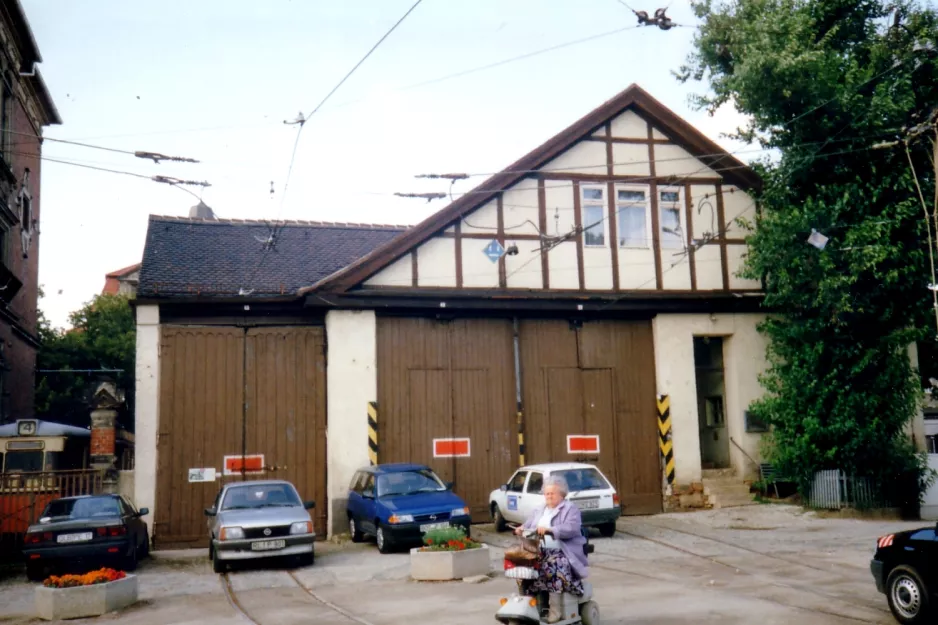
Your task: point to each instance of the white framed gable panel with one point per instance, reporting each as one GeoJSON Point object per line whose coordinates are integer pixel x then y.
{"type": "Point", "coordinates": [736, 204]}
{"type": "Point", "coordinates": [673, 160]}
{"type": "Point", "coordinates": [399, 273]}
{"type": "Point", "coordinates": [736, 258]}
{"type": "Point", "coordinates": [483, 219]}
{"type": "Point", "coordinates": [585, 157]}
{"type": "Point", "coordinates": [630, 159]}
{"type": "Point", "coordinates": [477, 269]}
{"type": "Point", "coordinates": [562, 266]}
{"type": "Point", "coordinates": [436, 263]}
{"type": "Point", "coordinates": [704, 218]}
{"type": "Point", "coordinates": [523, 271]}
{"type": "Point", "coordinates": [709, 268]}
{"type": "Point", "coordinates": [629, 125]}
{"type": "Point", "coordinates": [519, 207]}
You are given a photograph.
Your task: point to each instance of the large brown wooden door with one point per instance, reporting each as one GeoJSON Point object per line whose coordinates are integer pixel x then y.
{"type": "Point", "coordinates": [596, 378]}
{"type": "Point", "coordinates": [228, 391]}
{"type": "Point", "coordinates": [449, 379]}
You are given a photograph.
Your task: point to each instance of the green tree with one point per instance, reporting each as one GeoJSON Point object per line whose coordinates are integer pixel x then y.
{"type": "Point", "coordinates": [826, 83]}
{"type": "Point", "coordinates": [103, 336]}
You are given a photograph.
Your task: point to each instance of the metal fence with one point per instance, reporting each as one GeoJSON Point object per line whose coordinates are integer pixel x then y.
{"type": "Point", "coordinates": [833, 489]}
{"type": "Point", "coordinates": [23, 496]}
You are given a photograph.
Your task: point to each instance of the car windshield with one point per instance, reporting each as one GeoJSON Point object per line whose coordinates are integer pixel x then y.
{"type": "Point", "coordinates": [409, 483]}
{"type": "Point", "coordinates": [254, 496]}
{"type": "Point", "coordinates": [86, 508]}
{"type": "Point", "coordinates": [579, 480]}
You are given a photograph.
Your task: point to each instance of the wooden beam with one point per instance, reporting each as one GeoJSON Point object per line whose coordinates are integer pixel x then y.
{"type": "Point", "coordinates": [630, 140]}
{"type": "Point", "coordinates": [655, 217]}
{"type": "Point", "coordinates": [597, 178]}
{"type": "Point", "coordinates": [613, 208]}
{"type": "Point", "coordinates": [542, 225]}
{"type": "Point", "coordinates": [578, 222]}
{"type": "Point", "coordinates": [413, 268]}
{"type": "Point", "coordinates": [502, 269]}
{"type": "Point", "coordinates": [458, 229]}
{"type": "Point", "coordinates": [488, 236]}
{"type": "Point", "coordinates": [689, 212]}
{"type": "Point", "coordinates": [721, 220]}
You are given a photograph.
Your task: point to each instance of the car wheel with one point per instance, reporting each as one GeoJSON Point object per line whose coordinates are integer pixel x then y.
{"type": "Point", "coordinates": [384, 543]}
{"type": "Point", "coordinates": [589, 613]}
{"type": "Point", "coordinates": [908, 597]}
{"type": "Point", "coordinates": [218, 565]}
{"type": "Point", "coordinates": [353, 530]}
{"type": "Point", "coordinates": [35, 572]}
{"type": "Point", "coordinates": [607, 529]}
{"type": "Point", "coordinates": [500, 524]}
{"type": "Point", "coordinates": [145, 550]}
{"type": "Point", "coordinates": [130, 561]}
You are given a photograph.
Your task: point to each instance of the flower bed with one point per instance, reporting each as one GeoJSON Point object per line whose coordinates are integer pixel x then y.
{"type": "Point", "coordinates": [448, 554]}
{"type": "Point", "coordinates": [80, 596]}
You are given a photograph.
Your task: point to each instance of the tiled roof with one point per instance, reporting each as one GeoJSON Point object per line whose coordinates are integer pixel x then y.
{"type": "Point", "coordinates": [189, 257]}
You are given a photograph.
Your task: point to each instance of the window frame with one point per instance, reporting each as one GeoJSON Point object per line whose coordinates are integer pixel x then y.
{"type": "Point", "coordinates": [585, 205]}
{"type": "Point", "coordinates": [681, 226]}
{"type": "Point", "coordinates": [647, 239]}
{"type": "Point", "coordinates": [524, 482]}
{"type": "Point", "coordinates": [527, 486]}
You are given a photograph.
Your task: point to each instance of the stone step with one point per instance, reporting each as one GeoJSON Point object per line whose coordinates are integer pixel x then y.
{"type": "Point", "coordinates": [718, 473]}
{"type": "Point", "coordinates": [731, 502]}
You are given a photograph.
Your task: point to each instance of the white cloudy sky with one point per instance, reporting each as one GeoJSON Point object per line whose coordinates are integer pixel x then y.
{"type": "Point", "coordinates": [214, 80]}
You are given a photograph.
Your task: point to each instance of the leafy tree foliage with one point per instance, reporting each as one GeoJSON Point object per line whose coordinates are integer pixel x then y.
{"type": "Point", "coordinates": [826, 83]}
{"type": "Point", "coordinates": [103, 336]}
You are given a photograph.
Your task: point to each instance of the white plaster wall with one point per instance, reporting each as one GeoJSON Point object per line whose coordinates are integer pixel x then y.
{"type": "Point", "coordinates": [597, 268]}
{"type": "Point", "coordinates": [636, 269]}
{"type": "Point", "coordinates": [628, 125]}
{"type": "Point", "coordinates": [676, 278]}
{"type": "Point", "coordinates": [351, 382]}
{"type": "Point", "coordinates": [737, 203]}
{"type": "Point", "coordinates": [483, 219]}
{"type": "Point", "coordinates": [558, 198]}
{"type": "Point", "coordinates": [562, 266]}
{"type": "Point", "coordinates": [736, 258]}
{"type": "Point", "coordinates": [704, 216]}
{"type": "Point", "coordinates": [673, 160]}
{"type": "Point", "coordinates": [524, 270]}
{"type": "Point", "coordinates": [519, 203]}
{"type": "Point", "coordinates": [656, 134]}
{"type": "Point", "coordinates": [709, 268]}
{"type": "Point", "coordinates": [585, 157]}
{"type": "Point", "coordinates": [744, 359]}
{"type": "Point", "coordinates": [147, 409]}
{"type": "Point", "coordinates": [436, 263]}
{"type": "Point", "coordinates": [398, 273]}
{"type": "Point", "coordinates": [916, 429]}
{"type": "Point", "coordinates": [630, 159]}
{"type": "Point", "coordinates": [477, 269]}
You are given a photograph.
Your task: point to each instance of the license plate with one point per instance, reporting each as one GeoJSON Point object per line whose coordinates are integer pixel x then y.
{"type": "Point", "coordinates": [267, 545]}
{"type": "Point", "coordinates": [74, 538]}
{"type": "Point", "coordinates": [587, 504]}
{"type": "Point", "coordinates": [433, 526]}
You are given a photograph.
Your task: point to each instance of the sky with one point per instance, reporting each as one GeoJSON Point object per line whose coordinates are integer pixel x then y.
{"type": "Point", "coordinates": [216, 80]}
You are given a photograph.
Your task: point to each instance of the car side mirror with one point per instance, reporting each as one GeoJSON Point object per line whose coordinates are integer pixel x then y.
{"type": "Point", "coordinates": [503, 488]}
{"type": "Point", "coordinates": [210, 511]}
{"type": "Point", "coordinates": [309, 505]}
{"type": "Point", "coordinates": [143, 512]}
{"type": "Point", "coordinates": [449, 485]}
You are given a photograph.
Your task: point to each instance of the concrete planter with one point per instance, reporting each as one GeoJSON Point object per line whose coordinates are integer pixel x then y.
{"type": "Point", "coordinates": [436, 566]}
{"type": "Point", "coordinates": [83, 601]}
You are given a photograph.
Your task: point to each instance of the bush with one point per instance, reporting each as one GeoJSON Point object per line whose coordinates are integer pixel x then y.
{"type": "Point", "coordinates": [448, 539]}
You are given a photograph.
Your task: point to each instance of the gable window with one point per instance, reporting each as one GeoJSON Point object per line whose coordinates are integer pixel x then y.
{"type": "Point", "coordinates": [672, 231]}
{"type": "Point", "coordinates": [632, 211]}
{"type": "Point", "coordinates": [593, 208]}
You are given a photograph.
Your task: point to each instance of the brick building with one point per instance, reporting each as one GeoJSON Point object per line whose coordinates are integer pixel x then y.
{"type": "Point", "coordinates": [26, 107]}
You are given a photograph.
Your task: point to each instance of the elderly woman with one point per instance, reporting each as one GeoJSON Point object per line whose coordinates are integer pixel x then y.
{"type": "Point", "coordinates": [563, 564]}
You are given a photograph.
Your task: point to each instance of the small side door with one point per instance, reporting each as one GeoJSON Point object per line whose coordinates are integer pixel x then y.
{"type": "Point", "coordinates": [533, 494]}
{"type": "Point", "coordinates": [368, 504]}
{"type": "Point", "coordinates": [514, 497]}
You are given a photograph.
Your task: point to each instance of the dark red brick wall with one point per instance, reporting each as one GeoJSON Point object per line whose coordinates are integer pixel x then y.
{"type": "Point", "coordinates": [102, 441]}
{"type": "Point", "coordinates": [19, 379]}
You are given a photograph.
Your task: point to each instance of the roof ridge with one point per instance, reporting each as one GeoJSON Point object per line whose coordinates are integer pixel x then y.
{"type": "Point", "coordinates": [283, 222]}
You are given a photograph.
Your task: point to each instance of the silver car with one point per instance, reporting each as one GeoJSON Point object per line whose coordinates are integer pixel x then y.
{"type": "Point", "coordinates": [259, 519]}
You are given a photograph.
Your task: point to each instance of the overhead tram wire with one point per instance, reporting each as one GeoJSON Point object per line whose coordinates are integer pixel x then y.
{"type": "Point", "coordinates": [302, 123]}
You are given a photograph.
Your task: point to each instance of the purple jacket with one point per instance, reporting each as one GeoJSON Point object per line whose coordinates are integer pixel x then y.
{"type": "Point", "coordinates": [565, 528]}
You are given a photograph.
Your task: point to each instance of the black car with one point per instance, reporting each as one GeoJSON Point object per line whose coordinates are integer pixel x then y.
{"type": "Point", "coordinates": [90, 530]}
{"type": "Point", "coordinates": [905, 568]}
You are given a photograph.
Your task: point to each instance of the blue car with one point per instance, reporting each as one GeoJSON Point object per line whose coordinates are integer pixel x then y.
{"type": "Point", "coordinates": [397, 503]}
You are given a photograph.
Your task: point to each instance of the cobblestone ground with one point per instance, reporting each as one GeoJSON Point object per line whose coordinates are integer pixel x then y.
{"type": "Point", "coordinates": [766, 564]}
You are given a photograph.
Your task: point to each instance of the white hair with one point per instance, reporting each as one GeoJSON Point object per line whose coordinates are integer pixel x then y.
{"type": "Point", "coordinates": [558, 482]}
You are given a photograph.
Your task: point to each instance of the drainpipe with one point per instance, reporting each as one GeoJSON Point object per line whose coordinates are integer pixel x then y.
{"type": "Point", "coordinates": [518, 402]}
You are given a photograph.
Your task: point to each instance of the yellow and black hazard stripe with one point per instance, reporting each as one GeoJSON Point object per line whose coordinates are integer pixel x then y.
{"type": "Point", "coordinates": [664, 436]}
{"type": "Point", "coordinates": [373, 433]}
{"type": "Point", "coordinates": [520, 439]}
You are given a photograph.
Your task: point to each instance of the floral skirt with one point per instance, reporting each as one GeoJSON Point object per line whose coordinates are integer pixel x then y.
{"type": "Point", "coordinates": [556, 574]}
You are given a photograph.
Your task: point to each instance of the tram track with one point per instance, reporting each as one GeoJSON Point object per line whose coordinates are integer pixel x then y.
{"type": "Point", "coordinates": [250, 616]}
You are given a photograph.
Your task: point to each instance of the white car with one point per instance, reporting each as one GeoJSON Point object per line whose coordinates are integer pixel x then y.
{"type": "Point", "coordinates": [598, 501]}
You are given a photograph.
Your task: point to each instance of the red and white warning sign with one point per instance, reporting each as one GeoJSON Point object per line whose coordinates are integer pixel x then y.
{"type": "Point", "coordinates": [451, 448]}
{"type": "Point", "coordinates": [583, 444]}
{"type": "Point", "coordinates": [251, 464]}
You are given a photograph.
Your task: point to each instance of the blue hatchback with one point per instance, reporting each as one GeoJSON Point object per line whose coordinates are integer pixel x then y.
{"type": "Point", "coordinates": [397, 503]}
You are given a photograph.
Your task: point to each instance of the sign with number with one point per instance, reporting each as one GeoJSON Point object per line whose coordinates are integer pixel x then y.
{"type": "Point", "coordinates": [202, 475]}
{"type": "Point", "coordinates": [451, 448]}
{"type": "Point", "coordinates": [583, 444]}
{"type": "Point", "coordinates": [252, 464]}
